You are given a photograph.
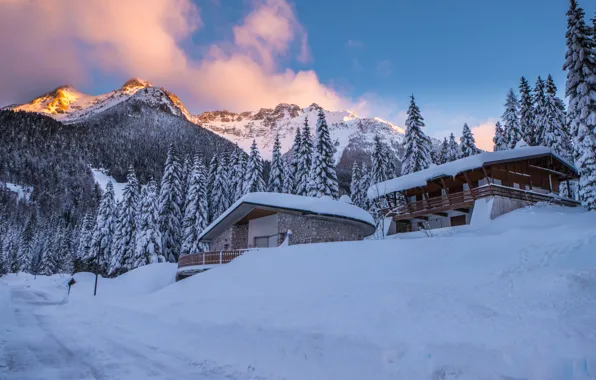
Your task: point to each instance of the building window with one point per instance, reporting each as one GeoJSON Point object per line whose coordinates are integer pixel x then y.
{"type": "Point", "coordinates": [262, 242]}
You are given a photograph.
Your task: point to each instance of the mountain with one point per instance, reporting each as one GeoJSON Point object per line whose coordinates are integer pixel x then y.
{"type": "Point", "coordinates": [68, 105]}
{"type": "Point", "coordinates": [352, 134]}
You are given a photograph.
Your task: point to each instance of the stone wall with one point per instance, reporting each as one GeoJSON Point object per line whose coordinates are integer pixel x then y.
{"type": "Point", "coordinates": [235, 237]}
{"type": "Point", "coordinates": [314, 230]}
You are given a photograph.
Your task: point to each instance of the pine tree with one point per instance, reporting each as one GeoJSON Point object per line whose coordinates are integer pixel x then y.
{"type": "Point", "coordinates": [580, 63]}
{"type": "Point", "coordinates": [239, 173]}
{"type": "Point", "coordinates": [499, 139]}
{"type": "Point", "coordinates": [288, 175]}
{"type": "Point", "coordinates": [511, 121]}
{"type": "Point", "coordinates": [65, 255]}
{"type": "Point", "coordinates": [148, 239]}
{"type": "Point", "coordinates": [304, 161]}
{"type": "Point", "coordinates": [170, 207]}
{"type": "Point", "coordinates": [556, 135]}
{"type": "Point", "coordinates": [416, 144]}
{"type": "Point", "coordinates": [355, 189]}
{"type": "Point", "coordinates": [291, 175]}
{"type": "Point", "coordinates": [126, 227]}
{"type": "Point", "coordinates": [277, 169]}
{"type": "Point", "coordinates": [196, 210]}
{"type": "Point", "coordinates": [379, 163]}
{"type": "Point", "coordinates": [26, 250]}
{"type": "Point", "coordinates": [103, 233]}
{"type": "Point", "coordinates": [468, 143]}
{"type": "Point", "coordinates": [323, 179]}
{"type": "Point", "coordinates": [253, 180]}
{"type": "Point", "coordinates": [85, 252]}
{"type": "Point", "coordinates": [184, 173]}
{"type": "Point", "coordinates": [364, 184]}
{"type": "Point", "coordinates": [526, 112]}
{"type": "Point", "coordinates": [539, 112]}
{"type": "Point", "coordinates": [442, 158]}
{"type": "Point", "coordinates": [453, 150]}
{"type": "Point", "coordinates": [219, 200]}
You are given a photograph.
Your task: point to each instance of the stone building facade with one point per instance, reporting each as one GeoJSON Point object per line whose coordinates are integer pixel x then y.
{"type": "Point", "coordinates": [305, 229]}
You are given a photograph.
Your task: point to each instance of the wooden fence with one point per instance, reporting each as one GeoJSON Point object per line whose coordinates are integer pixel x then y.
{"type": "Point", "coordinates": [209, 258]}
{"type": "Point", "coordinates": [465, 199]}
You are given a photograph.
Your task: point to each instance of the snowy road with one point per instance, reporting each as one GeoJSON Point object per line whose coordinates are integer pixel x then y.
{"type": "Point", "coordinates": [38, 343]}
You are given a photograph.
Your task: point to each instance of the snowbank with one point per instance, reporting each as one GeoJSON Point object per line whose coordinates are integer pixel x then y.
{"type": "Point", "coordinates": [517, 299]}
{"type": "Point", "coordinates": [102, 178]}
{"type": "Point", "coordinates": [451, 169]}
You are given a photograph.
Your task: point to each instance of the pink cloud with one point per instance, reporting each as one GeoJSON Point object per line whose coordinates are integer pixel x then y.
{"type": "Point", "coordinates": [484, 133]}
{"type": "Point", "coordinates": [52, 42]}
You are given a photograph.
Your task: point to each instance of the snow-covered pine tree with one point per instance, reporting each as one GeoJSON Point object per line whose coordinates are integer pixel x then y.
{"type": "Point", "coordinates": [526, 112]}
{"type": "Point", "coordinates": [148, 243]}
{"type": "Point", "coordinates": [511, 121]}
{"type": "Point", "coordinates": [364, 184]}
{"type": "Point", "coordinates": [65, 256]}
{"type": "Point", "coordinates": [304, 161]}
{"type": "Point", "coordinates": [126, 225]}
{"type": "Point", "coordinates": [196, 212]}
{"type": "Point", "coordinates": [468, 143]}
{"type": "Point", "coordinates": [48, 264]}
{"type": "Point", "coordinates": [556, 135]}
{"type": "Point", "coordinates": [355, 193]}
{"type": "Point", "coordinates": [453, 150]}
{"type": "Point", "coordinates": [416, 144]}
{"type": "Point", "coordinates": [291, 175]}
{"type": "Point", "coordinates": [26, 250]}
{"type": "Point", "coordinates": [288, 182]}
{"type": "Point", "coordinates": [239, 172]}
{"type": "Point", "coordinates": [219, 200]}
{"type": "Point", "coordinates": [276, 176]}
{"type": "Point", "coordinates": [170, 207]}
{"type": "Point", "coordinates": [103, 233]}
{"type": "Point", "coordinates": [539, 112]}
{"type": "Point", "coordinates": [323, 177]}
{"type": "Point", "coordinates": [253, 180]}
{"type": "Point", "coordinates": [580, 63]}
{"type": "Point", "coordinates": [443, 152]}
{"type": "Point", "coordinates": [184, 173]}
{"type": "Point", "coordinates": [4, 266]}
{"type": "Point", "coordinates": [84, 247]}
{"type": "Point", "coordinates": [499, 139]}
{"type": "Point", "coordinates": [378, 170]}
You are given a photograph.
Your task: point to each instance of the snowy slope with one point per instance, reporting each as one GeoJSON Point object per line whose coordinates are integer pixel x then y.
{"type": "Point", "coordinates": [102, 178]}
{"type": "Point", "coordinates": [67, 104]}
{"type": "Point", "coordinates": [515, 299]}
{"type": "Point", "coordinates": [346, 128]}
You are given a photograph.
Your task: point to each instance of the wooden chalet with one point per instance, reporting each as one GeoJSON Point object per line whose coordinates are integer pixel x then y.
{"type": "Point", "coordinates": [445, 195]}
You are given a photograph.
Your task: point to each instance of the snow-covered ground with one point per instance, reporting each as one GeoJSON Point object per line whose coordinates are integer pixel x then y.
{"type": "Point", "coordinates": [23, 192]}
{"type": "Point", "coordinates": [102, 178]}
{"type": "Point", "coordinates": [514, 299]}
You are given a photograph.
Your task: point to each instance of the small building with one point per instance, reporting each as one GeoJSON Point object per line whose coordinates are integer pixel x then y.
{"type": "Point", "coordinates": [447, 195]}
{"type": "Point", "coordinates": [262, 220]}
{"type": "Point", "coordinates": [265, 220]}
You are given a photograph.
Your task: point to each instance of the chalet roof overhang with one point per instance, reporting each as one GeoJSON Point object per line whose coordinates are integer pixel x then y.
{"type": "Point", "coordinates": [243, 212]}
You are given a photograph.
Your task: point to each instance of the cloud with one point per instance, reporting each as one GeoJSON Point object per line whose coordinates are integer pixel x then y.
{"type": "Point", "coordinates": [484, 133]}
{"type": "Point", "coordinates": [355, 44]}
{"type": "Point", "coordinates": [52, 42]}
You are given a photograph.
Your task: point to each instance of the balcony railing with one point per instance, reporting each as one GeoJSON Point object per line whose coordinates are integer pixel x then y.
{"type": "Point", "coordinates": [465, 199]}
{"type": "Point", "coordinates": [209, 258]}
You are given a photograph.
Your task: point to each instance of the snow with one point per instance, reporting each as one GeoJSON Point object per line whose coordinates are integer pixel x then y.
{"type": "Point", "coordinates": [321, 206]}
{"type": "Point", "coordinates": [522, 306]}
{"type": "Point", "coordinates": [482, 210]}
{"type": "Point", "coordinates": [451, 169]}
{"type": "Point", "coordinates": [23, 192]}
{"type": "Point", "coordinates": [102, 178]}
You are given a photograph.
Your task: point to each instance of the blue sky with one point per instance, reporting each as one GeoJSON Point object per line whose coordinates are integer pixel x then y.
{"type": "Point", "coordinates": [458, 57]}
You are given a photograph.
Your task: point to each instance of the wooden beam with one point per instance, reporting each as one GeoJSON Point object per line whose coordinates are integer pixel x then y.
{"type": "Point", "coordinates": [486, 174]}
{"type": "Point", "coordinates": [549, 170]}
{"type": "Point", "coordinates": [464, 210]}
{"type": "Point", "coordinates": [443, 214]}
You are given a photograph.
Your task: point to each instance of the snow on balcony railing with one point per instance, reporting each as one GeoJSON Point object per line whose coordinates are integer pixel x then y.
{"type": "Point", "coordinates": [210, 258]}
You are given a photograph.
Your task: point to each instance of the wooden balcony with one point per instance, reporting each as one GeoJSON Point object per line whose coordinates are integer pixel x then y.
{"type": "Point", "coordinates": [209, 258]}
{"type": "Point", "coordinates": [464, 201]}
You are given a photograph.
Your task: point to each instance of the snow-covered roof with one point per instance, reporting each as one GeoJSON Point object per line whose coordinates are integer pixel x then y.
{"type": "Point", "coordinates": [451, 169]}
{"type": "Point", "coordinates": [326, 207]}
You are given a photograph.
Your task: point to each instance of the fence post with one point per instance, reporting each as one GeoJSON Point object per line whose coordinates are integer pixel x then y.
{"type": "Point", "coordinates": [220, 258]}
{"type": "Point", "coordinates": [203, 257]}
